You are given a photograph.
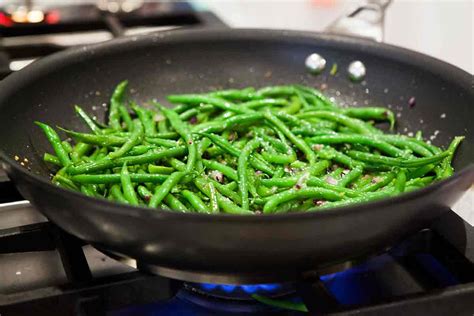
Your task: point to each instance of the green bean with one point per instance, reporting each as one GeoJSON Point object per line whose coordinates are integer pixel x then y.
{"type": "Point", "coordinates": [310, 181]}
{"type": "Point", "coordinates": [330, 153]}
{"type": "Point", "coordinates": [446, 168]}
{"type": "Point", "coordinates": [85, 117]}
{"type": "Point", "coordinates": [135, 139]}
{"type": "Point", "coordinates": [52, 159]}
{"type": "Point", "coordinates": [336, 173]}
{"type": "Point", "coordinates": [298, 142]}
{"type": "Point", "coordinates": [125, 117]}
{"type": "Point", "coordinates": [218, 126]}
{"type": "Point", "coordinates": [379, 182]}
{"type": "Point", "coordinates": [314, 130]}
{"type": "Point", "coordinates": [160, 169]}
{"type": "Point", "coordinates": [182, 129]}
{"type": "Point", "coordinates": [227, 192]}
{"type": "Point", "coordinates": [293, 107]}
{"type": "Point", "coordinates": [87, 191]}
{"type": "Point", "coordinates": [225, 170]}
{"type": "Point", "coordinates": [99, 140]}
{"type": "Point", "coordinates": [400, 181]}
{"type": "Point", "coordinates": [214, 205]}
{"type": "Point", "coordinates": [291, 120]}
{"type": "Point", "coordinates": [196, 99]}
{"type": "Point", "coordinates": [255, 104]}
{"type": "Point", "coordinates": [67, 147]}
{"type": "Point", "coordinates": [140, 150]}
{"type": "Point", "coordinates": [165, 135]}
{"type": "Point", "coordinates": [195, 201]}
{"type": "Point", "coordinates": [278, 158]}
{"type": "Point", "coordinates": [351, 176]}
{"type": "Point", "coordinates": [303, 193]}
{"type": "Point", "coordinates": [371, 113]}
{"type": "Point", "coordinates": [405, 142]}
{"type": "Point", "coordinates": [319, 167]}
{"type": "Point", "coordinates": [127, 187]}
{"type": "Point", "coordinates": [115, 178]}
{"type": "Point", "coordinates": [360, 199]}
{"type": "Point", "coordinates": [186, 115]}
{"type": "Point", "coordinates": [55, 142]}
{"type": "Point", "coordinates": [419, 135]}
{"type": "Point", "coordinates": [234, 94]}
{"type": "Point", "coordinates": [65, 182]}
{"type": "Point", "coordinates": [163, 126]}
{"type": "Point", "coordinates": [420, 171]}
{"type": "Point", "coordinates": [145, 119]}
{"type": "Point", "coordinates": [242, 170]}
{"type": "Point", "coordinates": [116, 193]}
{"type": "Point", "coordinates": [419, 182]}
{"type": "Point", "coordinates": [115, 102]}
{"type": "Point", "coordinates": [174, 203]}
{"type": "Point", "coordinates": [222, 143]}
{"type": "Point", "coordinates": [225, 204]}
{"type": "Point", "coordinates": [230, 186]}
{"type": "Point", "coordinates": [161, 142]}
{"type": "Point", "coordinates": [396, 162]}
{"type": "Point", "coordinates": [162, 190]}
{"type": "Point", "coordinates": [357, 125]}
{"type": "Point", "coordinates": [108, 163]}
{"type": "Point", "coordinates": [276, 90]}
{"type": "Point", "coordinates": [79, 150]}
{"type": "Point", "coordinates": [362, 181]}
{"type": "Point", "coordinates": [317, 94]}
{"type": "Point", "coordinates": [144, 193]}
{"type": "Point", "coordinates": [358, 139]}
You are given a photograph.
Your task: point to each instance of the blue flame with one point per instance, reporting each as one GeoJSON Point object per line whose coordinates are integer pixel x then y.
{"type": "Point", "coordinates": [248, 288]}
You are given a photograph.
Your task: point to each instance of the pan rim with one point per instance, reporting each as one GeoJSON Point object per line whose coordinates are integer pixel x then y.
{"type": "Point", "coordinates": [173, 36]}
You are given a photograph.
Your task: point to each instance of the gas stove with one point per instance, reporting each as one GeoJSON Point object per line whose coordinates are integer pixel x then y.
{"type": "Point", "coordinates": [66, 26]}
{"type": "Point", "coordinates": [44, 270]}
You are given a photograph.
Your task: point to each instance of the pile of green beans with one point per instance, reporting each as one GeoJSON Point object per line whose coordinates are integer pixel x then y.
{"type": "Point", "coordinates": [273, 150]}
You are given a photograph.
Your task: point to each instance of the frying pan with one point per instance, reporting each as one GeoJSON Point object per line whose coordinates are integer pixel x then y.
{"type": "Point", "coordinates": [226, 248]}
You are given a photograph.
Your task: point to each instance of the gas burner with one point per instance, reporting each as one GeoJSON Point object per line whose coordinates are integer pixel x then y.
{"type": "Point", "coordinates": [241, 292]}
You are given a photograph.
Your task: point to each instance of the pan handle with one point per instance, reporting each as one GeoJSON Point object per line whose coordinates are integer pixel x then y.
{"type": "Point", "coordinates": [367, 21]}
